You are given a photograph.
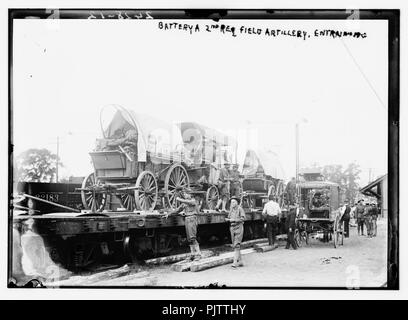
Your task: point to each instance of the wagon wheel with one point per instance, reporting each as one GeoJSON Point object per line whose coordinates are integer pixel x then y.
{"type": "Point", "coordinates": [127, 200]}
{"type": "Point", "coordinates": [91, 199]}
{"type": "Point", "coordinates": [176, 179]}
{"type": "Point", "coordinates": [248, 202]}
{"type": "Point", "coordinates": [146, 193]}
{"type": "Point", "coordinates": [211, 197]}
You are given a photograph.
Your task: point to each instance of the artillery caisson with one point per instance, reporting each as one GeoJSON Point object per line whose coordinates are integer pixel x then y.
{"type": "Point", "coordinates": [208, 149]}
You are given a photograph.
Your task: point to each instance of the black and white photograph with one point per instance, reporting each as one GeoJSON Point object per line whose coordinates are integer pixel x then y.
{"type": "Point", "coordinates": [203, 148]}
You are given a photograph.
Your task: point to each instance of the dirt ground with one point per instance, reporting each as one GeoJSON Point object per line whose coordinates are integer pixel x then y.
{"type": "Point", "coordinates": [360, 262]}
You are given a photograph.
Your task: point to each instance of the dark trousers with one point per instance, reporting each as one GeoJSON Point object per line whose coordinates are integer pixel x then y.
{"type": "Point", "coordinates": [346, 227]}
{"type": "Point", "coordinates": [271, 228]}
{"type": "Point", "coordinates": [291, 240]}
{"type": "Point", "coordinates": [360, 225]}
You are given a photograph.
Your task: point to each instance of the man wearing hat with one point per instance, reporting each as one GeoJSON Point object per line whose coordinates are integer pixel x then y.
{"type": "Point", "coordinates": [291, 191]}
{"type": "Point", "coordinates": [235, 183]}
{"type": "Point", "coordinates": [360, 217]}
{"type": "Point", "coordinates": [224, 180]}
{"type": "Point", "coordinates": [190, 207]}
{"type": "Point", "coordinates": [346, 219]}
{"type": "Point", "coordinates": [374, 217]}
{"type": "Point", "coordinates": [367, 219]}
{"type": "Point", "coordinates": [236, 217]}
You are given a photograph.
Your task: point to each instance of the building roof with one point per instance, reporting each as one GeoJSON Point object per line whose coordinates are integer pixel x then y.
{"type": "Point", "coordinates": [368, 189]}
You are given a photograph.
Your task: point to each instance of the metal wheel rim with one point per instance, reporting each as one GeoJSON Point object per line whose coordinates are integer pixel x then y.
{"type": "Point", "coordinates": [146, 192]}
{"type": "Point", "coordinates": [176, 179]}
{"type": "Point", "coordinates": [212, 196]}
{"type": "Point", "coordinates": [127, 200]}
{"type": "Point", "coordinates": [87, 196]}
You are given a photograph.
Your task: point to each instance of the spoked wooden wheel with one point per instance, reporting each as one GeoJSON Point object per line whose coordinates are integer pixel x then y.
{"type": "Point", "coordinates": [127, 200]}
{"type": "Point", "coordinates": [248, 202]}
{"type": "Point", "coordinates": [92, 199]}
{"type": "Point", "coordinates": [176, 180]}
{"type": "Point", "coordinates": [212, 197]}
{"type": "Point", "coordinates": [146, 193]}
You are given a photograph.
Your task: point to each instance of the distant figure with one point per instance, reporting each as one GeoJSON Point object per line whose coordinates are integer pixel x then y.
{"type": "Point", "coordinates": [367, 219]}
{"type": "Point", "coordinates": [346, 219]}
{"type": "Point", "coordinates": [374, 217]}
{"type": "Point", "coordinates": [235, 181]}
{"type": "Point", "coordinates": [291, 227]}
{"type": "Point", "coordinates": [291, 191]}
{"type": "Point", "coordinates": [224, 181]}
{"type": "Point", "coordinates": [360, 217]}
{"type": "Point", "coordinates": [236, 217]}
{"type": "Point", "coordinates": [271, 213]}
{"type": "Point", "coordinates": [317, 200]}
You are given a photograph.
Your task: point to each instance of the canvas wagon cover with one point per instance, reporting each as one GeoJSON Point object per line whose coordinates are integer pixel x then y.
{"type": "Point", "coordinates": [155, 136]}
{"type": "Point", "coordinates": [263, 162]}
{"type": "Point", "coordinates": [203, 143]}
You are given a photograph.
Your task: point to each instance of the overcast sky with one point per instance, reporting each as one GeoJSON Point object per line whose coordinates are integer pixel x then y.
{"type": "Point", "coordinates": [65, 71]}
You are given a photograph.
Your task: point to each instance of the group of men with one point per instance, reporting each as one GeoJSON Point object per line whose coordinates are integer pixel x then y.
{"type": "Point", "coordinates": [366, 214]}
{"type": "Point", "coordinates": [190, 207]}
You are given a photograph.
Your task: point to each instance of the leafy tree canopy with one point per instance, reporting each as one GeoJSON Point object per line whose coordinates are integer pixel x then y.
{"type": "Point", "coordinates": [36, 165]}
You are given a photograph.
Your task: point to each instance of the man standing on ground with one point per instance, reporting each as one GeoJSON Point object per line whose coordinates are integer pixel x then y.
{"type": "Point", "coordinates": [190, 207]}
{"type": "Point", "coordinates": [271, 213]}
{"type": "Point", "coordinates": [360, 217]}
{"type": "Point", "coordinates": [236, 217]}
{"type": "Point", "coordinates": [291, 227]}
{"type": "Point", "coordinates": [291, 191]}
{"type": "Point", "coordinates": [346, 219]}
{"type": "Point", "coordinates": [367, 219]}
{"type": "Point", "coordinates": [374, 216]}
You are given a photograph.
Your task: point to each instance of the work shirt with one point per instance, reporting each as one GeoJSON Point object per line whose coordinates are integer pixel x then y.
{"type": "Point", "coordinates": [272, 208]}
{"type": "Point", "coordinates": [224, 175]}
{"type": "Point", "coordinates": [374, 212]}
{"type": "Point", "coordinates": [367, 211]}
{"type": "Point", "coordinates": [235, 176]}
{"type": "Point", "coordinates": [291, 187]}
{"type": "Point", "coordinates": [360, 212]}
{"type": "Point", "coordinates": [237, 215]}
{"type": "Point", "coordinates": [189, 209]}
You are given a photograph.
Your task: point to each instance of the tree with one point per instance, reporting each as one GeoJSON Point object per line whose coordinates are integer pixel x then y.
{"type": "Point", "coordinates": [347, 177]}
{"type": "Point", "coordinates": [36, 165]}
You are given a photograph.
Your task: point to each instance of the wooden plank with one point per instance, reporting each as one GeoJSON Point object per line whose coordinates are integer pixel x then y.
{"type": "Point", "coordinates": [85, 280]}
{"type": "Point", "coordinates": [217, 260]}
{"type": "Point", "coordinates": [181, 266]}
{"type": "Point", "coordinates": [250, 243]}
{"type": "Point", "coordinates": [265, 248]}
{"type": "Point", "coordinates": [176, 258]}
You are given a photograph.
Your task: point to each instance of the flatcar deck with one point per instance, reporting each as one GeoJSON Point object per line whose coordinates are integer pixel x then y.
{"type": "Point", "coordinates": [68, 223]}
